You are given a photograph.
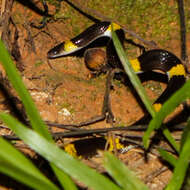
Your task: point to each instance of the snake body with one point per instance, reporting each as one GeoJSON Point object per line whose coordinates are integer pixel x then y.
{"type": "Point", "coordinates": [157, 59]}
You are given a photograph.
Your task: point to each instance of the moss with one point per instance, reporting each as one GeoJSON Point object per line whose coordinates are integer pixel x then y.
{"type": "Point", "coordinates": [155, 20]}
{"type": "Point", "coordinates": [38, 63]}
{"type": "Point", "coordinates": [155, 87]}
{"type": "Point", "coordinates": [69, 107]}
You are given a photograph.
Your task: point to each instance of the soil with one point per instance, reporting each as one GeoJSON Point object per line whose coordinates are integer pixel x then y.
{"type": "Point", "coordinates": [64, 92]}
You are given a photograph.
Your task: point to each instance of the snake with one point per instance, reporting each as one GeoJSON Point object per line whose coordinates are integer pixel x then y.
{"type": "Point", "coordinates": [150, 60]}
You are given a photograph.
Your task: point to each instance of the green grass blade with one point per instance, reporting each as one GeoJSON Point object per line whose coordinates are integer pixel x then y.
{"type": "Point", "coordinates": [171, 140]}
{"type": "Point", "coordinates": [178, 97]}
{"type": "Point", "coordinates": [181, 165]}
{"type": "Point", "coordinates": [32, 113]}
{"type": "Point", "coordinates": [65, 180]}
{"type": "Point", "coordinates": [122, 175]}
{"type": "Point", "coordinates": [136, 82]}
{"type": "Point", "coordinates": [58, 157]}
{"type": "Point", "coordinates": [132, 76]}
{"type": "Point", "coordinates": [17, 83]}
{"type": "Point", "coordinates": [185, 135]}
{"type": "Point", "coordinates": [14, 164]}
{"type": "Point", "coordinates": [168, 157]}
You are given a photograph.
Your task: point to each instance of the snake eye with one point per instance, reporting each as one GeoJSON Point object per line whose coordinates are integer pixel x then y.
{"type": "Point", "coordinates": [55, 52]}
{"type": "Point", "coordinates": [51, 54]}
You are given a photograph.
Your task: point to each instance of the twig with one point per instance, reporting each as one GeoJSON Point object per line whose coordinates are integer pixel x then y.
{"type": "Point", "coordinates": [31, 5]}
{"type": "Point", "coordinates": [44, 20]}
{"type": "Point", "coordinates": [106, 108]}
{"type": "Point", "coordinates": [4, 22]}
{"type": "Point", "coordinates": [182, 29]}
{"type": "Point", "coordinates": [85, 11]}
{"type": "Point", "coordinates": [15, 50]}
{"type": "Point", "coordinates": [29, 38]}
{"type": "Point", "coordinates": [89, 132]}
{"type": "Point", "coordinates": [3, 6]}
{"type": "Point", "coordinates": [88, 11]}
{"type": "Point", "coordinates": [155, 174]}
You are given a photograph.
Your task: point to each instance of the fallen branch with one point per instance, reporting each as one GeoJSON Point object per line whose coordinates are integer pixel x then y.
{"type": "Point", "coordinates": [88, 12]}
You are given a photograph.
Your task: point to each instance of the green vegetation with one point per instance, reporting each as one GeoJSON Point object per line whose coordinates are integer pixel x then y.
{"type": "Point", "coordinates": [65, 167]}
{"type": "Point", "coordinates": [154, 87]}
{"type": "Point", "coordinates": [153, 20]}
{"type": "Point", "coordinates": [181, 164]}
{"type": "Point", "coordinates": [16, 165]}
{"type": "Point", "coordinates": [68, 106]}
{"type": "Point", "coordinates": [63, 164]}
{"type": "Point", "coordinates": [38, 63]}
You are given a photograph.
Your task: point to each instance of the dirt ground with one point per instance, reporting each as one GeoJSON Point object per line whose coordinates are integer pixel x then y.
{"type": "Point", "coordinates": [64, 92]}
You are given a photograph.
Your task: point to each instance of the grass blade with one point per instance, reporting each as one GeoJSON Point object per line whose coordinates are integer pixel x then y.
{"type": "Point", "coordinates": [17, 83]}
{"type": "Point", "coordinates": [131, 74]}
{"type": "Point", "coordinates": [31, 110]}
{"type": "Point", "coordinates": [14, 164]}
{"type": "Point", "coordinates": [181, 165]}
{"type": "Point", "coordinates": [171, 140]}
{"type": "Point", "coordinates": [58, 157]}
{"type": "Point", "coordinates": [123, 176]}
{"type": "Point", "coordinates": [65, 180]}
{"type": "Point", "coordinates": [136, 82]}
{"type": "Point", "coordinates": [168, 157]}
{"type": "Point", "coordinates": [178, 97]}
{"type": "Point", "coordinates": [185, 135]}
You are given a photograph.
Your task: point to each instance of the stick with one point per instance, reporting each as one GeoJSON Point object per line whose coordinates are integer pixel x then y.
{"type": "Point", "coordinates": [182, 29]}
{"type": "Point", "coordinates": [88, 12]}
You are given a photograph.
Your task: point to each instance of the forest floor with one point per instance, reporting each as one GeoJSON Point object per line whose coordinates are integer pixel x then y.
{"type": "Point", "coordinates": [64, 93]}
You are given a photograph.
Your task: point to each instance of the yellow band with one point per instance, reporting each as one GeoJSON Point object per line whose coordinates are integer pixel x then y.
{"type": "Point", "coordinates": [70, 149]}
{"type": "Point", "coordinates": [69, 46]}
{"type": "Point", "coordinates": [177, 71]}
{"type": "Point", "coordinates": [118, 145]}
{"type": "Point", "coordinates": [135, 64]}
{"type": "Point", "coordinates": [157, 107]}
{"type": "Point", "coordinates": [115, 26]}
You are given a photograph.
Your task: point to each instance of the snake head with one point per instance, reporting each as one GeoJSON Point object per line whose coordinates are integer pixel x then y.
{"type": "Point", "coordinates": [56, 51]}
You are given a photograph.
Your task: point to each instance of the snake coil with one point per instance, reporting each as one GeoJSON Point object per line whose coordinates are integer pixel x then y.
{"type": "Point", "coordinates": [157, 59]}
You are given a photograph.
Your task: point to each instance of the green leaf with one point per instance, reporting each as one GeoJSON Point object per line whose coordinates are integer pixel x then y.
{"type": "Point", "coordinates": [178, 97]}
{"type": "Point", "coordinates": [14, 164]}
{"type": "Point", "coordinates": [131, 74]}
{"type": "Point", "coordinates": [65, 180]}
{"type": "Point", "coordinates": [181, 165]}
{"type": "Point", "coordinates": [31, 110]}
{"type": "Point", "coordinates": [58, 157]}
{"type": "Point", "coordinates": [18, 84]}
{"type": "Point", "coordinates": [136, 82]}
{"type": "Point", "coordinates": [185, 135]}
{"type": "Point", "coordinates": [168, 157]}
{"type": "Point", "coordinates": [122, 175]}
{"type": "Point", "coordinates": [171, 140]}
